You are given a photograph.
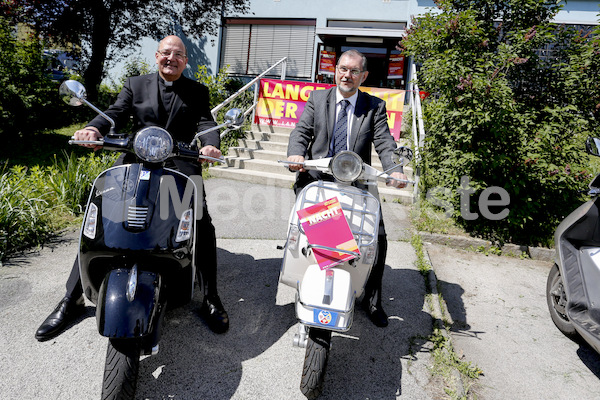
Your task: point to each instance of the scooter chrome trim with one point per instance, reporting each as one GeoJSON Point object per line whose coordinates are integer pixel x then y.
{"type": "Point", "coordinates": [318, 246]}
{"type": "Point", "coordinates": [132, 283]}
{"type": "Point", "coordinates": [341, 321]}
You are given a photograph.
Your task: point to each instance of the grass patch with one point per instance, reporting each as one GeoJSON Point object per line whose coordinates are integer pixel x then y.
{"type": "Point", "coordinates": [458, 376]}
{"type": "Point", "coordinates": [40, 148]}
{"type": "Point", "coordinates": [428, 218]}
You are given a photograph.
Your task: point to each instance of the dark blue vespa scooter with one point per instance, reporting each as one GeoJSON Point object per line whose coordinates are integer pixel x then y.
{"type": "Point", "coordinates": [137, 243]}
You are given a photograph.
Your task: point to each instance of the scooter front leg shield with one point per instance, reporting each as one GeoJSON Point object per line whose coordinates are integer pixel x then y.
{"type": "Point", "coordinates": [121, 317]}
{"type": "Point", "coordinates": [325, 299]}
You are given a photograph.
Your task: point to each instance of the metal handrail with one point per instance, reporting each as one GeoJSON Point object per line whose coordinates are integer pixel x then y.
{"type": "Point", "coordinates": [254, 82]}
{"type": "Point", "coordinates": [418, 128]}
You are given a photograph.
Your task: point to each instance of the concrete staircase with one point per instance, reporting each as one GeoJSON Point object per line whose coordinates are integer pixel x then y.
{"type": "Point", "coordinates": [255, 160]}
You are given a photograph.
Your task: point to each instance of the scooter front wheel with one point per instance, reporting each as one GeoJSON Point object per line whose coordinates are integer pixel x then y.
{"type": "Point", "coordinates": [315, 362]}
{"type": "Point", "coordinates": [121, 369]}
{"type": "Point", "coordinates": [557, 302]}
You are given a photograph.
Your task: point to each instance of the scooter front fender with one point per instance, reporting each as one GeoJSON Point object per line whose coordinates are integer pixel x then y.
{"type": "Point", "coordinates": [118, 316]}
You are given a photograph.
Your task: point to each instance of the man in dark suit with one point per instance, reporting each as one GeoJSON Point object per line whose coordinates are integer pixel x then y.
{"type": "Point", "coordinates": [344, 118]}
{"type": "Point", "coordinates": [181, 106]}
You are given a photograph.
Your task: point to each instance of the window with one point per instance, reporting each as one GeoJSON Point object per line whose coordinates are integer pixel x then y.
{"type": "Point", "coordinates": [252, 46]}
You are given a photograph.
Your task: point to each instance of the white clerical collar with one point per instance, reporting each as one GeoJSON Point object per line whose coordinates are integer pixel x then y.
{"type": "Point", "coordinates": [167, 83]}
{"type": "Point", "coordinates": [352, 99]}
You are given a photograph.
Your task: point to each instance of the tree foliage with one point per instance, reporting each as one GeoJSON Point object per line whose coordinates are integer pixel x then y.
{"type": "Point", "coordinates": [513, 98]}
{"type": "Point", "coordinates": [104, 30]}
{"type": "Point", "coordinates": [27, 98]}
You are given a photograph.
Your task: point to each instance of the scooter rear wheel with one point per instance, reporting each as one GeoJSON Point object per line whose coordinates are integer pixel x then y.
{"type": "Point", "coordinates": [315, 362]}
{"type": "Point", "coordinates": [557, 302]}
{"type": "Point", "coordinates": [121, 369]}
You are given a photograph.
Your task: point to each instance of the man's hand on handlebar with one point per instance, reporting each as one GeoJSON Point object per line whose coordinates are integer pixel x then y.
{"type": "Point", "coordinates": [210, 151]}
{"type": "Point", "coordinates": [395, 183]}
{"type": "Point", "coordinates": [296, 167]}
{"type": "Point", "coordinates": [88, 133]}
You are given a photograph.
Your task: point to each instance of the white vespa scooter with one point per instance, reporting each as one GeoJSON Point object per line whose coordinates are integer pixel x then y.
{"type": "Point", "coordinates": [329, 279]}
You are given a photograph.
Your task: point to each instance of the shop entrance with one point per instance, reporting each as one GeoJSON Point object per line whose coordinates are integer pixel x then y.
{"type": "Point", "coordinates": [386, 68]}
{"type": "Point", "coordinates": [376, 65]}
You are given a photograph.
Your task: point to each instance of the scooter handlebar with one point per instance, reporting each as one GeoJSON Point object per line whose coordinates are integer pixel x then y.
{"type": "Point", "coordinates": [187, 153]}
{"type": "Point", "coordinates": [96, 142]}
{"type": "Point", "coordinates": [119, 143]}
{"type": "Point", "coordinates": [389, 178]}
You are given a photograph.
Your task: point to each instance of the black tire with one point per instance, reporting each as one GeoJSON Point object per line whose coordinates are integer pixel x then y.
{"type": "Point", "coordinates": [121, 369]}
{"type": "Point", "coordinates": [557, 301]}
{"type": "Point", "coordinates": [315, 362]}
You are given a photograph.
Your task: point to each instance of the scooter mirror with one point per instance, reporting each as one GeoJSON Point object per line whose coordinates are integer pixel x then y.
{"type": "Point", "coordinates": [235, 117]}
{"type": "Point", "coordinates": [402, 155]}
{"type": "Point", "coordinates": [72, 92]}
{"type": "Point", "coordinates": [592, 146]}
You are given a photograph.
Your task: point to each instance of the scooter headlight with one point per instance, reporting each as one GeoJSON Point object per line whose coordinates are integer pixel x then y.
{"type": "Point", "coordinates": [346, 166]}
{"type": "Point", "coordinates": [153, 144]}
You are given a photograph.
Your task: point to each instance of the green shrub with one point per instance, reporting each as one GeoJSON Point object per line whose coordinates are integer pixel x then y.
{"type": "Point", "coordinates": [28, 99]}
{"type": "Point", "coordinates": [220, 87]}
{"type": "Point", "coordinates": [504, 114]}
{"type": "Point", "coordinates": [70, 178]}
{"type": "Point", "coordinates": [32, 200]}
{"type": "Point", "coordinates": [23, 210]}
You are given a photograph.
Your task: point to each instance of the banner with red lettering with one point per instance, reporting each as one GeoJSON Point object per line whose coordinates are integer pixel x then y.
{"type": "Point", "coordinates": [281, 103]}
{"type": "Point", "coordinates": [394, 104]}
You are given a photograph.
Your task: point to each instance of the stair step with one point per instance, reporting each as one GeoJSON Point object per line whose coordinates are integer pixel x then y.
{"type": "Point", "coordinates": [273, 137]}
{"type": "Point", "coordinates": [256, 157]}
{"type": "Point", "coordinates": [252, 164]}
{"type": "Point", "coordinates": [257, 154]}
{"type": "Point", "coordinates": [287, 179]}
{"type": "Point", "coordinates": [263, 145]}
{"type": "Point", "coordinates": [265, 178]}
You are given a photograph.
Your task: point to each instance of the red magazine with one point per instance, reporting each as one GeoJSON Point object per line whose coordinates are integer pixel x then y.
{"type": "Point", "coordinates": [325, 224]}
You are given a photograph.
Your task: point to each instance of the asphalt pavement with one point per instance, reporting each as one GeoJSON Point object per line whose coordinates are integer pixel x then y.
{"type": "Point", "coordinates": [497, 305]}
{"type": "Point", "coordinates": [255, 359]}
{"type": "Point", "coordinates": [501, 324]}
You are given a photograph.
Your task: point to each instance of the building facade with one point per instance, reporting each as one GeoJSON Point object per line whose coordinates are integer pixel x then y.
{"type": "Point", "coordinates": [312, 34]}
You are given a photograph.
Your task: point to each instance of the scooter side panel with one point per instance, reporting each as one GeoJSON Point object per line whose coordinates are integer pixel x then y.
{"type": "Point", "coordinates": [583, 307]}
{"type": "Point", "coordinates": [580, 225]}
{"type": "Point", "coordinates": [578, 258]}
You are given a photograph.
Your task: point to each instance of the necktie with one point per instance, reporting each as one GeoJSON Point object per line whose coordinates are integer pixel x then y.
{"type": "Point", "coordinates": [341, 129]}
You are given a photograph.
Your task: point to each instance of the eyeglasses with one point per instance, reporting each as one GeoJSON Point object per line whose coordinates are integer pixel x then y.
{"type": "Point", "coordinates": [166, 53]}
{"type": "Point", "coordinates": [354, 72]}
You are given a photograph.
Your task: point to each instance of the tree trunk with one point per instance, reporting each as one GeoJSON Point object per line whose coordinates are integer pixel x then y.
{"type": "Point", "coordinates": [101, 33]}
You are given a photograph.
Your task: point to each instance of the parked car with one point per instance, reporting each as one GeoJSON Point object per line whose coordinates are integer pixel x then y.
{"type": "Point", "coordinates": [59, 64]}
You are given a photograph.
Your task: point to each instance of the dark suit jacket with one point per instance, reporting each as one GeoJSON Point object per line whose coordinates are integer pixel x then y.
{"type": "Point", "coordinates": [140, 99]}
{"type": "Point", "coordinates": [312, 136]}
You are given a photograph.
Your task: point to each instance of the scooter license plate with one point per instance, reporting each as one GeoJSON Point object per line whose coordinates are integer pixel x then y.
{"type": "Point", "coordinates": [325, 317]}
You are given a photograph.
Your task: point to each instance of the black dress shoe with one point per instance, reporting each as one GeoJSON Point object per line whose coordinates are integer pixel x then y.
{"type": "Point", "coordinates": [376, 314]}
{"type": "Point", "coordinates": [56, 322]}
{"type": "Point", "coordinates": [214, 314]}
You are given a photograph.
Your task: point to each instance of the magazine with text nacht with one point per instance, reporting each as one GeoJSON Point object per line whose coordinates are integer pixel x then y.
{"type": "Point", "coordinates": [325, 224]}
